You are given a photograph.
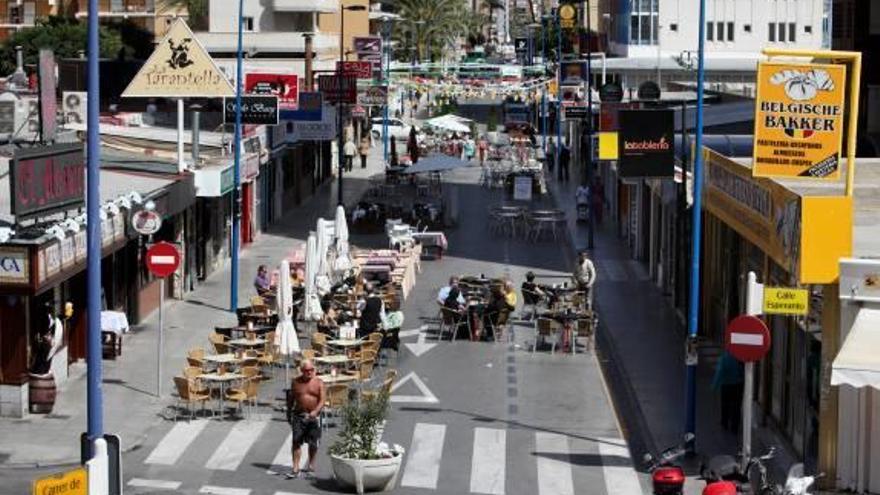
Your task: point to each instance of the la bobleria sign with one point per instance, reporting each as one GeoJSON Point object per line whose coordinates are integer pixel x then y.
{"type": "Point", "coordinates": [799, 120]}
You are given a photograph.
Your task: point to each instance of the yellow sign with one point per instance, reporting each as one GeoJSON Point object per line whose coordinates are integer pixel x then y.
{"type": "Point", "coordinates": [180, 68]}
{"type": "Point", "coordinates": [70, 483]}
{"type": "Point", "coordinates": [785, 301]}
{"type": "Point", "coordinates": [567, 15]}
{"type": "Point", "coordinates": [799, 120]}
{"type": "Point", "coordinates": [608, 146]}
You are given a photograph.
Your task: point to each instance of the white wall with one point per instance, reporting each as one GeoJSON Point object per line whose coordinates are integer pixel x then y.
{"type": "Point", "coordinates": [223, 18]}
{"type": "Point", "coordinates": [756, 13]}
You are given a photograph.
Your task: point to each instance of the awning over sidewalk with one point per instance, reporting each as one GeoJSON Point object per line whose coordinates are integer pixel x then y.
{"type": "Point", "coordinates": [858, 362]}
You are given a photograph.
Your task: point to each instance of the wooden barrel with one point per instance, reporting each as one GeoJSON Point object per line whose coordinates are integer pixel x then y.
{"type": "Point", "coordinates": [42, 393]}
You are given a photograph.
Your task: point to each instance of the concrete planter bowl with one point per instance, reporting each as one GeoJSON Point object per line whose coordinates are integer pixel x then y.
{"type": "Point", "coordinates": [367, 474]}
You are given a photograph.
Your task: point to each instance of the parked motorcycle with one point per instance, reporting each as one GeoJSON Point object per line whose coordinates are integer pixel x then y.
{"type": "Point", "coordinates": [667, 477]}
{"type": "Point", "coordinates": [724, 476]}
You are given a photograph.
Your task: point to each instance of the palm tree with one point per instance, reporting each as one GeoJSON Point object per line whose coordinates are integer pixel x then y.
{"type": "Point", "coordinates": [427, 26]}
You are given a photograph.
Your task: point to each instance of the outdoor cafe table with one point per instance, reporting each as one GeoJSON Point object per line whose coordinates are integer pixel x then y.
{"type": "Point", "coordinates": [333, 359]}
{"type": "Point", "coordinates": [221, 381]}
{"type": "Point", "coordinates": [247, 342]}
{"type": "Point", "coordinates": [567, 320]}
{"type": "Point", "coordinates": [339, 378]}
{"type": "Point", "coordinates": [257, 329]}
{"type": "Point", "coordinates": [346, 343]}
{"type": "Point", "coordinates": [226, 358]}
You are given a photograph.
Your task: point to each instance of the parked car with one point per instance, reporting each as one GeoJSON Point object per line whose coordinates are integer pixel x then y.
{"type": "Point", "coordinates": [396, 128]}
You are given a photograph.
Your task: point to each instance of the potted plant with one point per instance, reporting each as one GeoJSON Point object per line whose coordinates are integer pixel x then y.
{"type": "Point", "coordinates": [357, 457]}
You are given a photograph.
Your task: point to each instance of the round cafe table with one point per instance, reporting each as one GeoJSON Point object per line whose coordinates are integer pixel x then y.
{"type": "Point", "coordinates": [221, 380]}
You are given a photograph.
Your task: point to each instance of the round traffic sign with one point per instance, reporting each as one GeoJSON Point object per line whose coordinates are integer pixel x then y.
{"type": "Point", "coordinates": [162, 259]}
{"type": "Point", "coordinates": [611, 92]}
{"type": "Point", "coordinates": [747, 338]}
{"type": "Point", "coordinates": [146, 222]}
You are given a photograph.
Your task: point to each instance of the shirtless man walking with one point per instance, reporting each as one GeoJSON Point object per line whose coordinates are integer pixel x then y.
{"type": "Point", "coordinates": [307, 401]}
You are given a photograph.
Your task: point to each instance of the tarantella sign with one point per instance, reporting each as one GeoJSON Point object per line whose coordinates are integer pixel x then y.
{"type": "Point", "coordinates": [180, 67]}
{"type": "Point", "coordinates": [46, 179]}
{"type": "Point", "coordinates": [799, 120]}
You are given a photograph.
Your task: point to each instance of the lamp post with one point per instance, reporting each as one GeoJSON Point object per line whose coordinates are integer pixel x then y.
{"type": "Point", "coordinates": [386, 70]}
{"type": "Point", "coordinates": [544, 116]}
{"type": "Point", "coordinates": [236, 173]}
{"type": "Point", "coordinates": [558, 87]}
{"type": "Point", "coordinates": [589, 142]}
{"type": "Point", "coordinates": [340, 105]}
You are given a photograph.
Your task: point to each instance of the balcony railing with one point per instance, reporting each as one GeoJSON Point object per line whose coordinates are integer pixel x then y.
{"type": "Point", "coordinates": [121, 8]}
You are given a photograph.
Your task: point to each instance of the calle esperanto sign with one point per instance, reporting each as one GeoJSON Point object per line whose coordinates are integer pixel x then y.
{"type": "Point", "coordinates": [799, 120]}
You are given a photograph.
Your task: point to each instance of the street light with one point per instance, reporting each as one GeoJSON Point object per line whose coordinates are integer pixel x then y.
{"type": "Point", "coordinates": [386, 69]}
{"type": "Point", "coordinates": [339, 105]}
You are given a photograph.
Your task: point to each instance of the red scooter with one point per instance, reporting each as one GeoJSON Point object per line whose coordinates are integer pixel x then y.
{"type": "Point", "coordinates": [667, 477]}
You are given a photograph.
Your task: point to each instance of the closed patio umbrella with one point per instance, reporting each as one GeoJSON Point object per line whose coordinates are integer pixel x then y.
{"type": "Point", "coordinates": [312, 302]}
{"type": "Point", "coordinates": [285, 332]}
{"type": "Point", "coordinates": [343, 260]}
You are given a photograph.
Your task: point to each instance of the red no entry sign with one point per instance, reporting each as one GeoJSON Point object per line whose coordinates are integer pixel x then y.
{"type": "Point", "coordinates": [747, 338]}
{"type": "Point", "coordinates": [162, 259]}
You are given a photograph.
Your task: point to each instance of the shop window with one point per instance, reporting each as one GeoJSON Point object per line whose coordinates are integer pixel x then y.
{"type": "Point", "coordinates": [730, 29]}
{"type": "Point", "coordinates": [710, 31]}
{"type": "Point", "coordinates": [771, 32]}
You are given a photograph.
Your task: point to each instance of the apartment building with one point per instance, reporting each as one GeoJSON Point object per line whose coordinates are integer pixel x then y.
{"type": "Point", "coordinates": [153, 15]}
{"type": "Point", "coordinates": [657, 39]}
{"type": "Point", "coordinates": [18, 14]}
{"type": "Point", "coordinates": [274, 33]}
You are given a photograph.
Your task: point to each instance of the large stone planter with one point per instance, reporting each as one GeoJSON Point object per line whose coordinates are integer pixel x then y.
{"type": "Point", "coordinates": [367, 475]}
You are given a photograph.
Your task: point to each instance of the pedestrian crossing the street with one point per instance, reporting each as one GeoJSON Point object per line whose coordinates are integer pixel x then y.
{"type": "Point", "coordinates": [492, 462]}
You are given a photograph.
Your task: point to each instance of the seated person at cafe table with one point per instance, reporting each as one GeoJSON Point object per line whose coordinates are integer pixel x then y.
{"type": "Point", "coordinates": [372, 311]}
{"type": "Point", "coordinates": [532, 293]}
{"type": "Point", "coordinates": [262, 282]}
{"type": "Point", "coordinates": [305, 401]}
{"type": "Point", "coordinates": [502, 299]}
{"type": "Point", "coordinates": [451, 296]}
{"type": "Point", "coordinates": [328, 323]}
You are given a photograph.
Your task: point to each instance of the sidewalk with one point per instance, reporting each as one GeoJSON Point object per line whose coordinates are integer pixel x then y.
{"type": "Point", "coordinates": [641, 343]}
{"type": "Point", "coordinates": [130, 406]}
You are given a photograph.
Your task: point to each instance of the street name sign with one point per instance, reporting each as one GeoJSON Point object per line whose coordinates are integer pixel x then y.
{"type": "Point", "coordinates": [162, 259]}
{"type": "Point", "coordinates": [179, 67]}
{"type": "Point", "coordinates": [747, 338]}
{"type": "Point", "coordinates": [785, 301]}
{"type": "Point", "coordinates": [74, 482]}
{"type": "Point", "coordinates": [799, 120]}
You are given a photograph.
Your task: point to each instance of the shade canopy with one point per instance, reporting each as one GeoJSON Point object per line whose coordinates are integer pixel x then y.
{"type": "Point", "coordinates": [858, 362]}
{"type": "Point", "coordinates": [449, 123]}
{"type": "Point", "coordinates": [435, 163]}
{"type": "Point", "coordinates": [285, 333]}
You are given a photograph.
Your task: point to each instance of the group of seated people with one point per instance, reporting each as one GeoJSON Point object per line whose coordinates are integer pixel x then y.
{"type": "Point", "coordinates": [496, 308]}
{"type": "Point", "coordinates": [371, 309]}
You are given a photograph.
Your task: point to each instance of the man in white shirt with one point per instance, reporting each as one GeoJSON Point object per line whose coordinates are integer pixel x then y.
{"type": "Point", "coordinates": [585, 276]}
{"type": "Point", "coordinates": [443, 294]}
{"type": "Point", "coordinates": [349, 150]}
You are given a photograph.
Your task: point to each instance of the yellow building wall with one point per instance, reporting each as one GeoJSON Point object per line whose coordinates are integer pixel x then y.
{"type": "Point", "coordinates": [357, 23]}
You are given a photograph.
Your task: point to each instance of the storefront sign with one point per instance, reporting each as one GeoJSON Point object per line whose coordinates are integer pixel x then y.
{"type": "Point", "coordinates": [68, 257]}
{"type": "Point", "coordinates": [79, 246]}
{"type": "Point", "coordinates": [567, 16]}
{"type": "Point", "coordinates": [284, 86]}
{"type": "Point", "coordinates": [799, 120]}
{"type": "Point", "coordinates": [74, 482]}
{"type": "Point", "coordinates": [785, 301]}
{"type": "Point", "coordinates": [646, 143]}
{"type": "Point", "coordinates": [522, 188]}
{"type": "Point", "coordinates": [179, 68]}
{"type": "Point", "coordinates": [367, 45]}
{"type": "Point", "coordinates": [575, 112]}
{"type": "Point", "coordinates": [521, 45]}
{"type": "Point", "coordinates": [373, 96]}
{"type": "Point", "coordinates": [48, 261]}
{"type": "Point", "coordinates": [573, 72]}
{"type": "Point", "coordinates": [608, 142]}
{"type": "Point", "coordinates": [46, 179]}
{"type": "Point", "coordinates": [315, 131]}
{"type": "Point", "coordinates": [338, 88]}
{"type": "Point", "coordinates": [14, 266]}
{"type": "Point", "coordinates": [146, 222]}
{"type": "Point", "coordinates": [310, 104]}
{"type": "Point", "coordinates": [254, 110]}
{"type": "Point", "coordinates": [516, 113]}
{"type": "Point", "coordinates": [227, 180]}
{"type": "Point", "coordinates": [358, 68]}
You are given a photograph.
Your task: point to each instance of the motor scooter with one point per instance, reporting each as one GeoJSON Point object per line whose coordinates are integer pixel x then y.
{"type": "Point", "coordinates": [723, 475]}
{"type": "Point", "coordinates": [798, 484]}
{"type": "Point", "coordinates": [667, 477]}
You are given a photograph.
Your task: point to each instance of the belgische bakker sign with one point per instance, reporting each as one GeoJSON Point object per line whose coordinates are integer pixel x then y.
{"type": "Point", "coordinates": [646, 143]}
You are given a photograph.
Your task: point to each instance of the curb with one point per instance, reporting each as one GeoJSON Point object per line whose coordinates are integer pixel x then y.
{"type": "Point", "coordinates": [21, 466]}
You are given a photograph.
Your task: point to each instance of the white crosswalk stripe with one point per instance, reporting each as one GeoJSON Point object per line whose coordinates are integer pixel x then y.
{"type": "Point", "coordinates": [235, 446]}
{"type": "Point", "coordinates": [283, 462]}
{"type": "Point", "coordinates": [426, 450]}
{"type": "Point", "coordinates": [619, 480]}
{"type": "Point", "coordinates": [487, 464]}
{"type": "Point", "coordinates": [224, 490]}
{"type": "Point", "coordinates": [172, 445]}
{"type": "Point", "coordinates": [554, 464]}
{"type": "Point", "coordinates": [154, 484]}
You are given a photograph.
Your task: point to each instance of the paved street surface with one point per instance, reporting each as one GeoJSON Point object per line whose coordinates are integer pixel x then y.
{"type": "Point", "coordinates": [473, 417]}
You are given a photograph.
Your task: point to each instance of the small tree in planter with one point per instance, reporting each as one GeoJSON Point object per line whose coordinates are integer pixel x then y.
{"type": "Point", "coordinates": [358, 459]}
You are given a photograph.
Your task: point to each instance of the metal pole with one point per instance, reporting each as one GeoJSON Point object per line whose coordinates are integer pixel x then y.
{"type": "Point", "coordinates": [558, 87]}
{"type": "Point", "coordinates": [749, 376]}
{"type": "Point", "coordinates": [386, 58]}
{"type": "Point", "coordinates": [339, 122]}
{"type": "Point", "coordinates": [161, 343]}
{"type": "Point", "coordinates": [181, 161]}
{"type": "Point", "coordinates": [236, 190]}
{"type": "Point", "coordinates": [544, 85]}
{"type": "Point", "coordinates": [589, 147]}
{"type": "Point", "coordinates": [95, 411]}
{"type": "Point", "coordinates": [696, 210]}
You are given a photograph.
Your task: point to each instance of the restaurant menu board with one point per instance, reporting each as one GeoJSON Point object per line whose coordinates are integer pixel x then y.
{"type": "Point", "coordinates": [522, 188]}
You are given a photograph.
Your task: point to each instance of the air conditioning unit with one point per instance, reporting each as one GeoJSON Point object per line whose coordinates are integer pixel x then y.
{"type": "Point", "coordinates": [73, 105]}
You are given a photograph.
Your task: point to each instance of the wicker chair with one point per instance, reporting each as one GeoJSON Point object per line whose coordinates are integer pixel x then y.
{"type": "Point", "coordinates": [185, 395]}
{"type": "Point", "coordinates": [545, 327]}
{"type": "Point", "coordinates": [246, 394]}
{"type": "Point", "coordinates": [335, 398]}
{"type": "Point", "coordinates": [452, 320]}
